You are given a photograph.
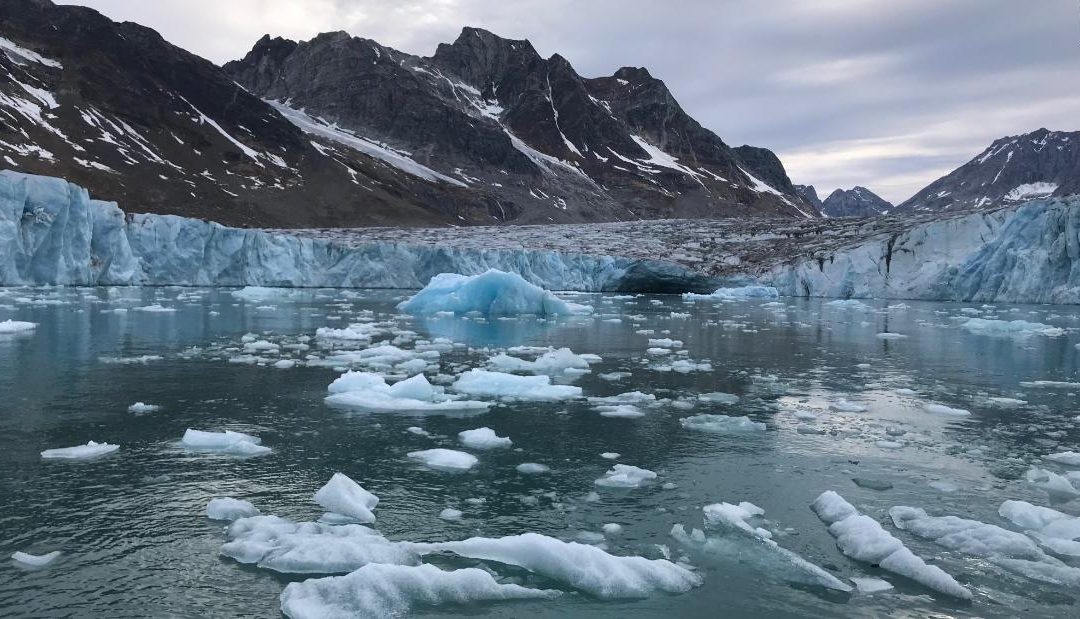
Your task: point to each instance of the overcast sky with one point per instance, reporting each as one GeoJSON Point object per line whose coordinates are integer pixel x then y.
{"type": "Point", "coordinates": [889, 94]}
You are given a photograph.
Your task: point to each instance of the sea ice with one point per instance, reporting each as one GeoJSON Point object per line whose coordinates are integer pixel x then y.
{"type": "Point", "coordinates": [16, 326]}
{"type": "Point", "coordinates": [625, 476]}
{"type": "Point", "coordinates": [369, 391]}
{"type": "Point", "coordinates": [1010, 328]}
{"type": "Point", "coordinates": [289, 547]}
{"type": "Point", "coordinates": [1068, 458]}
{"type": "Point", "coordinates": [717, 397]}
{"type": "Point", "coordinates": [35, 561]}
{"type": "Point", "coordinates": [1053, 529]}
{"type": "Point", "coordinates": [844, 406]}
{"type": "Point", "coordinates": [533, 468]}
{"type": "Point", "coordinates": [870, 585]}
{"type": "Point", "coordinates": [227, 442]}
{"type": "Point", "coordinates": [79, 452]}
{"type": "Point", "coordinates": [862, 538]}
{"type": "Point", "coordinates": [342, 495]}
{"type": "Point", "coordinates": [139, 407]}
{"type": "Point", "coordinates": [450, 514]}
{"type": "Point", "coordinates": [941, 409]}
{"type": "Point", "coordinates": [228, 508]}
{"type": "Point", "coordinates": [1058, 487]}
{"type": "Point", "coordinates": [380, 590]}
{"type": "Point", "coordinates": [732, 294]}
{"type": "Point", "coordinates": [721, 424]}
{"type": "Point", "coordinates": [553, 362]}
{"type": "Point", "coordinates": [494, 293]}
{"type": "Point", "coordinates": [581, 566]}
{"type": "Point", "coordinates": [478, 382]}
{"type": "Point", "coordinates": [483, 438]}
{"type": "Point", "coordinates": [447, 460]}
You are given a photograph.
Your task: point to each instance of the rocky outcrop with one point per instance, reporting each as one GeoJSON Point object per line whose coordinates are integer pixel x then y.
{"type": "Point", "coordinates": [854, 202]}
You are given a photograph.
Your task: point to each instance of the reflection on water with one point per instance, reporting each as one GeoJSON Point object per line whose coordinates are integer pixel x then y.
{"type": "Point", "coordinates": [136, 542]}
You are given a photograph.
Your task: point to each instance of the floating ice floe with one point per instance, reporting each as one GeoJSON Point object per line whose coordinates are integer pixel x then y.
{"type": "Point", "coordinates": [684, 366]}
{"type": "Point", "coordinates": [866, 584]}
{"type": "Point", "coordinates": [450, 514]}
{"type": "Point", "coordinates": [355, 332]}
{"type": "Point", "coordinates": [941, 409]}
{"type": "Point", "coordinates": [1054, 530]}
{"type": "Point", "coordinates": [35, 561]}
{"type": "Point", "coordinates": [262, 294]}
{"type": "Point", "coordinates": [342, 495]}
{"type": "Point", "coordinates": [1011, 550]}
{"type": "Point", "coordinates": [851, 304]}
{"type": "Point", "coordinates": [717, 397]}
{"type": "Point", "coordinates": [289, 547]}
{"type": "Point", "coordinates": [139, 360]}
{"type": "Point", "coordinates": [862, 538]}
{"type": "Point", "coordinates": [1010, 328]}
{"type": "Point", "coordinates": [736, 536]}
{"type": "Point", "coordinates": [1058, 487]}
{"type": "Point", "coordinates": [581, 566]}
{"type": "Point", "coordinates": [448, 460]}
{"type": "Point", "coordinates": [483, 438]}
{"type": "Point", "coordinates": [845, 406]}
{"type": "Point", "coordinates": [1068, 458]}
{"type": "Point", "coordinates": [623, 411]}
{"type": "Point", "coordinates": [625, 476]}
{"type": "Point", "coordinates": [733, 294]}
{"type": "Point", "coordinates": [369, 391]}
{"type": "Point", "coordinates": [493, 293]}
{"type": "Point", "coordinates": [891, 336]}
{"type": "Point", "coordinates": [80, 452]}
{"type": "Point", "coordinates": [478, 382]}
{"type": "Point", "coordinates": [16, 326]}
{"type": "Point", "coordinates": [533, 468]}
{"type": "Point", "coordinates": [554, 362]}
{"type": "Point", "coordinates": [139, 408]}
{"type": "Point", "coordinates": [227, 442]}
{"type": "Point", "coordinates": [156, 308]}
{"type": "Point", "coordinates": [379, 590]}
{"type": "Point", "coordinates": [721, 424]}
{"type": "Point", "coordinates": [1050, 384]}
{"type": "Point", "coordinates": [228, 508]}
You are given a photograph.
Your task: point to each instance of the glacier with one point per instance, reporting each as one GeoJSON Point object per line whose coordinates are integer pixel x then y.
{"type": "Point", "coordinates": [53, 233]}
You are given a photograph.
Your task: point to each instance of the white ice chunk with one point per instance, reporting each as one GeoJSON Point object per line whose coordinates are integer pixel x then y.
{"type": "Point", "coordinates": [553, 362]}
{"type": "Point", "coordinates": [369, 391]}
{"type": "Point", "coordinates": [228, 508]}
{"type": "Point", "coordinates": [447, 460]}
{"type": "Point", "coordinates": [743, 292]}
{"type": "Point", "coordinates": [450, 514]}
{"type": "Point", "coordinates": [1068, 458]}
{"type": "Point", "coordinates": [1057, 486]}
{"type": "Point", "coordinates": [79, 452]}
{"type": "Point", "coordinates": [862, 538]}
{"type": "Point", "coordinates": [870, 585]}
{"type": "Point", "coordinates": [288, 547]}
{"type": "Point", "coordinates": [625, 476]}
{"type": "Point", "coordinates": [342, 495]}
{"type": "Point", "coordinates": [580, 566]}
{"type": "Point", "coordinates": [533, 468]}
{"type": "Point", "coordinates": [501, 385]}
{"type": "Point", "coordinates": [16, 326]}
{"type": "Point", "coordinates": [494, 293]}
{"type": "Point", "coordinates": [721, 424]}
{"type": "Point", "coordinates": [140, 407]}
{"type": "Point", "coordinates": [379, 590]}
{"type": "Point", "coordinates": [1010, 328]}
{"type": "Point", "coordinates": [30, 560]}
{"type": "Point", "coordinates": [483, 438]}
{"type": "Point", "coordinates": [227, 442]}
{"type": "Point", "coordinates": [941, 409]}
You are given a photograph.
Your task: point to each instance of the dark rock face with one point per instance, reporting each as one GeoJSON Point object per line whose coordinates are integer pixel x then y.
{"type": "Point", "coordinates": [341, 131]}
{"type": "Point", "coordinates": [543, 141]}
{"type": "Point", "coordinates": [855, 202]}
{"type": "Point", "coordinates": [809, 195]}
{"type": "Point", "coordinates": [1013, 169]}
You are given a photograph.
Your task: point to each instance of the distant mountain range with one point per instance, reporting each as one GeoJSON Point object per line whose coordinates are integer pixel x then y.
{"type": "Point", "coordinates": [342, 131]}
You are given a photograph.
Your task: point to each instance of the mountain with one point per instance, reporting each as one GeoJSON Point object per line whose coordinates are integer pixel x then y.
{"type": "Point", "coordinates": [809, 195]}
{"type": "Point", "coordinates": [339, 131]}
{"type": "Point", "coordinates": [1013, 169]}
{"type": "Point", "coordinates": [547, 143]}
{"type": "Point", "coordinates": [855, 202]}
{"type": "Point", "coordinates": [116, 108]}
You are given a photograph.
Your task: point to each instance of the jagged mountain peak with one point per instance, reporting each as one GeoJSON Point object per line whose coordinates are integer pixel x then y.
{"type": "Point", "coordinates": [855, 202]}
{"type": "Point", "coordinates": [1017, 168]}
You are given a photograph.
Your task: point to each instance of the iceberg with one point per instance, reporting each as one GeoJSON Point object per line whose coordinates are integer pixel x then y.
{"type": "Point", "coordinates": [1058, 487]}
{"type": "Point", "coordinates": [553, 362]}
{"type": "Point", "coordinates": [80, 452]}
{"type": "Point", "coordinates": [1011, 550]}
{"type": "Point", "coordinates": [1010, 328]}
{"type": "Point", "coordinates": [738, 537]}
{"type": "Point", "coordinates": [447, 460]}
{"type": "Point", "coordinates": [140, 407]}
{"type": "Point", "coordinates": [625, 476]}
{"type": "Point", "coordinates": [583, 567]}
{"type": "Point", "coordinates": [721, 424]}
{"type": "Point", "coordinates": [1054, 530]}
{"type": "Point", "coordinates": [16, 326]}
{"type": "Point", "coordinates": [342, 495]}
{"type": "Point", "coordinates": [1068, 458]}
{"type": "Point", "coordinates": [478, 382]}
{"type": "Point", "coordinates": [493, 293]}
{"type": "Point", "coordinates": [228, 508]}
{"type": "Point", "coordinates": [380, 590]}
{"type": "Point", "coordinates": [227, 442]}
{"type": "Point", "coordinates": [35, 561]}
{"type": "Point", "coordinates": [368, 391]}
{"type": "Point", "coordinates": [740, 293]}
{"type": "Point", "coordinates": [289, 547]}
{"type": "Point", "coordinates": [862, 538]}
{"type": "Point", "coordinates": [483, 438]}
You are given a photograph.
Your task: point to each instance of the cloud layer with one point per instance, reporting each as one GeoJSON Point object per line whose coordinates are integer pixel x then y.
{"type": "Point", "coordinates": [889, 95]}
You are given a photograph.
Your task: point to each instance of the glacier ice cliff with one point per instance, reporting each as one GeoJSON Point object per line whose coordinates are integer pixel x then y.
{"type": "Point", "coordinates": [51, 232]}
